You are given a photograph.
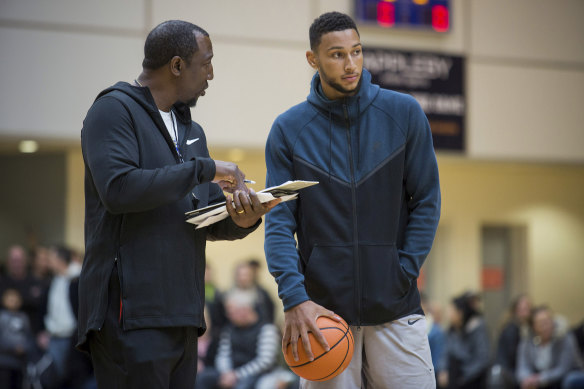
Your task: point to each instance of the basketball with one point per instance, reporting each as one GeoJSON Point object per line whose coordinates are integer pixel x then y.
{"type": "Point", "coordinates": [325, 365]}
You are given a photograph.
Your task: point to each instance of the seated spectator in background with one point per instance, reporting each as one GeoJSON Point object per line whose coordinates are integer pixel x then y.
{"type": "Point", "coordinates": [17, 276]}
{"type": "Point", "coordinates": [247, 347]}
{"type": "Point", "coordinates": [466, 357]}
{"type": "Point", "coordinates": [514, 330]}
{"type": "Point", "coordinates": [16, 340]}
{"type": "Point", "coordinates": [246, 280]}
{"type": "Point", "coordinates": [545, 358]}
{"type": "Point", "coordinates": [264, 296]}
{"type": "Point", "coordinates": [436, 334]}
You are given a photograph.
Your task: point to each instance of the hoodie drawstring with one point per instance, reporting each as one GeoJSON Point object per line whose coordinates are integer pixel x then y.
{"type": "Point", "coordinates": [358, 130]}
{"type": "Point", "coordinates": [330, 143]}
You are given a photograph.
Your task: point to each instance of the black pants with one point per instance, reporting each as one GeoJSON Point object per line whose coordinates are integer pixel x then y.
{"type": "Point", "coordinates": [158, 358]}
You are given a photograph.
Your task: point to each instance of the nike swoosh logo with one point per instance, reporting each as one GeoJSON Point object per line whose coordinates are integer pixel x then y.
{"type": "Point", "coordinates": [191, 141]}
{"type": "Point", "coordinates": [412, 321]}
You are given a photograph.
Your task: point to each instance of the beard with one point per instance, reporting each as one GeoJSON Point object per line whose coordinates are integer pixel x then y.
{"type": "Point", "coordinates": [192, 102]}
{"type": "Point", "coordinates": [335, 85]}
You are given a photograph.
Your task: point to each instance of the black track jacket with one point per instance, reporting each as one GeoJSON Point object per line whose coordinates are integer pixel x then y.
{"type": "Point", "coordinates": [136, 194]}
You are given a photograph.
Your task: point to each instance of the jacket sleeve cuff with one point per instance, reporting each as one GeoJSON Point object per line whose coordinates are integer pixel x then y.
{"type": "Point", "coordinates": [206, 169]}
{"type": "Point", "coordinates": [294, 299]}
{"type": "Point", "coordinates": [247, 230]}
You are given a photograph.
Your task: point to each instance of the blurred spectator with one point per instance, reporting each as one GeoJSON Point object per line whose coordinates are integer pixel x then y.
{"type": "Point", "coordinates": [575, 380]}
{"type": "Point", "coordinates": [69, 368]}
{"type": "Point", "coordinates": [515, 329]}
{"type": "Point", "coordinates": [15, 340]}
{"type": "Point", "coordinates": [247, 348]}
{"type": "Point", "coordinates": [246, 279]}
{"type": "Point", "coordinates": [60, 320]}
{"type": "Point", "coordinates": [466, 359]}
{"type": "Point", "coordinates": [578, 333]}
{"type": "Point", "coordinates": [40, 269]}
{"type": "Point", "coordinates": [255, 266]}
{"type": "Point", "coordinates": [436, 334]}
{"type": "Point", "coordinates": [32, 291]}
{"type": "Point", "coordinates": [74, 269]}
{"type": "Point", "coordinates": [545, 358]}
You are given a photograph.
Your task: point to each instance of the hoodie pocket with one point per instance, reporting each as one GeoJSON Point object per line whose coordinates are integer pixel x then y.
{"type": "Point", "coordinates": [384, 283]}
{"type": "Point", "coordinates": [329, 279]}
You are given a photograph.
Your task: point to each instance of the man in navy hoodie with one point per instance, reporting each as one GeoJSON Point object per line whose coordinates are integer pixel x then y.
{"type": "Point", "coordinates": [141, 290]}
{"type": "Point", "coordinates": [365, 230]}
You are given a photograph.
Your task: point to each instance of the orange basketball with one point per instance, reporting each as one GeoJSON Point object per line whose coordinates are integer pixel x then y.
{"type": "Point", "coordinates": [325, 365]}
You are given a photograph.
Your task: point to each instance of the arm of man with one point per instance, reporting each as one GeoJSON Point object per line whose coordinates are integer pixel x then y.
{"type": "Point", "coordinates": [300, 313]}
{"type": "Point", "coordinates": [110, 150]}
{"type": "Point", "coordinates": [423, 189]}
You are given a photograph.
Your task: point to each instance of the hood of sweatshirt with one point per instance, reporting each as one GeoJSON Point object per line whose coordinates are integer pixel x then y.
{"type": "Point", "coordinates": [334, 109]}
{"type": "Point", "coordinates": [143, 97]}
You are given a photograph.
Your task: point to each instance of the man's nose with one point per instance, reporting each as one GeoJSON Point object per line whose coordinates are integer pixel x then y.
{"type": "Point", "coordinates": [350, 64]}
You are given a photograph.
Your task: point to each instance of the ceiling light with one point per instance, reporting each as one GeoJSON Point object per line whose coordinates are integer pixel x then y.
{"type": "Point", "coordinates": [28, 146]}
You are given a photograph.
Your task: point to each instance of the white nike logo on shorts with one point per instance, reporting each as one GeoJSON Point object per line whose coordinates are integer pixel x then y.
{"type": "Point", "coordinates": [191, 141]}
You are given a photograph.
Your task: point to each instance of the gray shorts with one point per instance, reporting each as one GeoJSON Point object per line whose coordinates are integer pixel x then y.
{"type": "Point", "coordinates": [391, 355]}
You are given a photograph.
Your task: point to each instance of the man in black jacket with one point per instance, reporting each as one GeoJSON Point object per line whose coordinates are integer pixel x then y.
{"type": "Point", "coordinates": [146, 163]}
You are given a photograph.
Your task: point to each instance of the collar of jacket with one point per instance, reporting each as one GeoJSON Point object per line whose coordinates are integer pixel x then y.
{"type": "Point", "coordinates": [143, 97]}
{"type": "Point", "coordinates": [335, 109]}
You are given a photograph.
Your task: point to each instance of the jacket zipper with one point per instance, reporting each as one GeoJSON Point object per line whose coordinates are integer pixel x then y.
{"type": "Point", "coordinates": [357, 263]}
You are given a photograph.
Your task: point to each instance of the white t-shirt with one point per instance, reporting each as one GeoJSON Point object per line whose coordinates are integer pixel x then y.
{"type": "Point", "coordinates": [170, 121]}
{"type": "Point", "coordinates": [60, 320]}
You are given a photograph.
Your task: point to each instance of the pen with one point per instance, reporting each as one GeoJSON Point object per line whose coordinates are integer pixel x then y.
{"type": "Point", "coordinates": [249, 181]}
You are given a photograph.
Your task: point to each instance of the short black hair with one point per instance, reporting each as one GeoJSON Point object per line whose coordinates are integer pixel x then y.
{"type": "Point", "coordinates": [169, 39]}
{"type": "Point", "coordinates": [63, 253]}
{"type": "Point", "coordinates": [329, 22]}
{"type": "Point", "coordinates": [465, 304]}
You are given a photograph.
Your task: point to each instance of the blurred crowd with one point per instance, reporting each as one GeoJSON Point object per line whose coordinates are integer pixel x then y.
{"type": "Point", "coordinates": [38, 327]}
{"type": "Point", "coordinates": [38, 320]}
{"type": "Point", "coordinates": [535, 347]}
{"type": "Point", "coordinates": [240, 349]}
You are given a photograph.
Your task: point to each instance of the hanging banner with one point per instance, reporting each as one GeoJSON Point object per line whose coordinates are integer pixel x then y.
{"type": "Point", "coordinates": [435, 80]}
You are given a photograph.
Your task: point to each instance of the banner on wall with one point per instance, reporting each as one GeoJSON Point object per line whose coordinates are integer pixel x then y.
{"type": "Point", "coordinates": [435, 80]}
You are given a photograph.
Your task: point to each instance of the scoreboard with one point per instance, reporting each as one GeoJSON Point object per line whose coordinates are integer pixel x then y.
{"type": "Point", "coordinates": [414, 14]}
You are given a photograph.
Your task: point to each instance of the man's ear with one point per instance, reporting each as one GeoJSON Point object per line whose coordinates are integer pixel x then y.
{"type": "Point", "coordinates": [176, 65]}
{"type": "Point", "coordinates": [312, 60]}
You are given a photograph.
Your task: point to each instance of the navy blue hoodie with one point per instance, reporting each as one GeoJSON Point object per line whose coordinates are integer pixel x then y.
{"type": "Point", "coordinates": [364, 232]}
{"type": "Point", "coordinates": [136, 194]}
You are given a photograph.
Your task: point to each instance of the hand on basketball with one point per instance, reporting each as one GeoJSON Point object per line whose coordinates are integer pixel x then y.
{"type": "Point", "coordinates": [245, 208]}
{"type": "Point", "coordinates": [299, 321]}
